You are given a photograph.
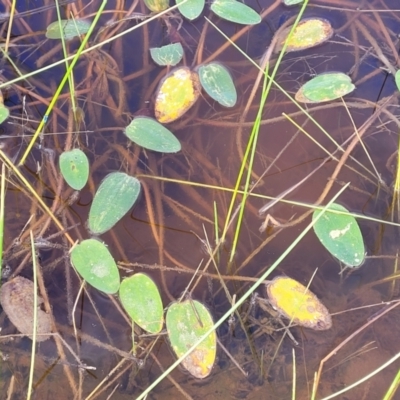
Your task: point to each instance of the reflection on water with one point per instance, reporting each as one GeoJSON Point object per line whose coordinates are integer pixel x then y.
{"type": "Point", "coordinates": [165, 233]}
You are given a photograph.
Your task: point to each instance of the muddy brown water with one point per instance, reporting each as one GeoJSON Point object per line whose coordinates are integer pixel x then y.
{"type": "Point", "coordinates": [161, 234]}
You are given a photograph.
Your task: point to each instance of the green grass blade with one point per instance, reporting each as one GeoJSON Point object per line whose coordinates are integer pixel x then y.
{"type": "Point", "coordinates": [2, 205]}
{"type": "Point", "coordinates": [35, 309]}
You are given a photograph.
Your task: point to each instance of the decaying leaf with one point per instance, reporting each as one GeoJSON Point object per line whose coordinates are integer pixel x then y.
{"type": "Point", "coordinates": [186, 323]}
{"type": "Point", "coordinates": [308, 33]}
{"type": "Point", "coordinates": [295, 302]}
{"type": "Point", "coordinates": [177, 93]}
{"type": "Point", "coordinates": [16, 298]}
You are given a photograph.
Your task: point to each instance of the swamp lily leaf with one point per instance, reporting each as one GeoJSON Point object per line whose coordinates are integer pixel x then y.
{"type": "Point", "coordinates": [74, 166]}
{"type": "Point", "coordinates": [397, 79]}
{"type": "Point", "coordinates": [177, 93]}
{"type": "Point", "coordinates": [17, 301]}
{"type": "Point", "coordinates": [184, 329]}
{"type": "Point", "coordinates": [142, 301]}
{"type": "Point", "coordinates": [295, 302]}
{"type": "Point", "coordinates": [340, 235]}
{"type": "Point", "coordinates": [234, 11]}
{"type": "Point", "coordinates": [96, 265]}
{"type": "Point", "coordinates": [309, 32]}
{"type": "Point", "coordinates": [325, 87]}
{"type": "Point", "coordinates": [171, 54]}
{"type": "Point", "coordinates": [217, 82]}
{"type": "Point", "coordinates": [115, 196]}
{"type": "Point", "coordinates": [157, 5]}
{"type": "Point", "coordinates": [291, 2]}
{"type": "Point", "coordinates": [191, 9]}
{"type": "Point", "coordinates": [70, 28]}
{"type": "Point", "coordinates": [151, 135]}
{"type": "Point", "coordinates": [4, 113]}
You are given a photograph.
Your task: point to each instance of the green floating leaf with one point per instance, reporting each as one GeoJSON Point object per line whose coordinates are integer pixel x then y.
{"type": "Point", "coordinates": [115, 196]}
{"type": "Point", "coordinates": [191, 9]}
{"type": "Point", "coordinates": [74, 166]}
{"type": "Point", "coordinates": [151, 135]}
{"type": "Point", "coordinates": [142, 301]}
{"type": "Point", "coordinates": [217, 82]}
{"type": "Point", "coordinates": [187, 322]}
{"type": "Point", "coordinates": [157, 5]}
{"type": "Point", "coordinates": [341, 235]}
{"type": "Point", "coordinates": [177, 93]}
{"type": "Point", "coordinates": [397, 79]}
{"type": "Point", "coordinates": [325, 87]}
{"type": "Point", "coordinates": [96, 265]}
{"type": "Point", "coordinates": [235, 11]}
{"type": "Point", "coordinates": [292, 2]}
{"type": "Point", "coordinates": [309, 32]}
{"type": "Point", "coordinates": [171, 54]}
{"type": "Point", "coordinates": [4, 113]}
{"type": "Point", "coordinates": [70, 28]}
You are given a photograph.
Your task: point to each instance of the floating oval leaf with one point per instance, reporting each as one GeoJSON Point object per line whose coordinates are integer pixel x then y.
{"type": "Point", "coordinates": [113, 199]}
{"type": "Point", "coordinates": [96, 265]}
{"type": "Point", "coordinates": [4, 113]}
{"type": "Point", "coordinates": [187, 322]}
{"type": "Point", "coordinates": [341, 235]}
{"type": "Point", "coordinates": [292, 2]}
{"type": "Point", "coordinates": [70, 28]}
{"type": "Point", "coordinates": [157, 5]}
{"type": "Point", "coordinates": [234, 11]}
{"type": "Point", "coordinates": [142, 301]}
{"type": "Point", "coordinates": [217, 82]}
{"type": "Point", "coordinates": [170, 54]}
{"type": "Point", "coordinates": [397, 79]}
{"type": "Point", "coordinates": [191, 9]}
{"type": "Point", "coordinates": [309, 32]}
{"type": "Point", "coordinates": [325, 87]}
{"type": "Point", "coordinates": [295, 302]}
{"type": "Point", "coordinates": [177, 93]}
{"type": "Point", "coordinates": [17, 300]}
{"type": "Point", "coordinates": [148, 133]}
{"type": "Point", "coordinates": [74, 167]}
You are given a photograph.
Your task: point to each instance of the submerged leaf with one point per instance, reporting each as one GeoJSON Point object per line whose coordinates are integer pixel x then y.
{"type": "Point", "coordinates": [70, 28]}
{"type": "Point", "coordinates": [74, 167]}
{"type": "Point", "coordinates": [341, 235]}
{"type": "Point", "coordinates": [177, 93]}
{"type": "Point", "coordinates": [96, 265]}
{"type": "Point", "coordinates": [325, 87]}
{"type": "Point", "coordinates": [142, 301]}
{"type": "Point", "coordinates": [295, 302]}
{"type": "Point", "coordinates": [151, 135]}
{"type": "Point", "coordinates": [217, 82]}
{"type": "Point", "coordinates": [171, 54]}
{"type": "Point", "coordinates": [187, 322]}
{"type": "Point", "coordinates": [191, 9]}
{"type": "Point", "coordinates": [234, 11]}
{"type": "Point", "coordinates": [17, 300]}
{"type": "Point", "coordinates": [309, 32]}
{"type": "Point", "coordinates": [115, 196]}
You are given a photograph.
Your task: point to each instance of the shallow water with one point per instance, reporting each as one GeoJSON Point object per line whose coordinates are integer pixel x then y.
{"type": "Point", "coordinates": [163, 233]}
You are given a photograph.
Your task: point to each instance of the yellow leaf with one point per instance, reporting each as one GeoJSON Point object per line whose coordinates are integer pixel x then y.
{"type": "Point", "coordinates": [295, 302]}
{"type": "Point", "coordinates": [177, 93]}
